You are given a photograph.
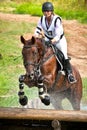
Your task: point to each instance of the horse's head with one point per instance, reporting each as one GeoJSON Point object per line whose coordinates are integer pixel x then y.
{"type": "Point", "coordinates": [32, 52]}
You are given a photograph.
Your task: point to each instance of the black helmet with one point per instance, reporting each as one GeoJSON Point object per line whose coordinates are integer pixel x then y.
{"type": "Point", "coordinates": [47, 6]}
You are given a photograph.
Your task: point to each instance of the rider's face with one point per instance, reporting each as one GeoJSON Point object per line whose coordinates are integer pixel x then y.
{"type": "Point", "coordinates": [47, 13]}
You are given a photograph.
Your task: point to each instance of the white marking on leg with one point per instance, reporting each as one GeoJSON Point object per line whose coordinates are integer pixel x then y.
{"type": "Point", "coordinates": [41, 90]}
{"type": "Point", "coordinates": [43, 95]}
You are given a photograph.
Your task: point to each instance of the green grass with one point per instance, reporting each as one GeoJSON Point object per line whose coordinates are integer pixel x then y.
{"type": "Point", "coordinates": [29, 8]}
{"type": "Point", "coordinates": [11, 65]}
{"type": "Point", "coordinates": [84, 99]}
{"type": "Point", "coordinates": [67, 9]}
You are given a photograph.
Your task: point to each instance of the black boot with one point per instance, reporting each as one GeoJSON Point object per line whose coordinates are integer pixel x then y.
{"type": "Point", "coordinates": [68, 70]}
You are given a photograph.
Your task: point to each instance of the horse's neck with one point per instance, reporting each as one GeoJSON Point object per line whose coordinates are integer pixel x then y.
{"type": "Point", "coordinates": [48, 52]}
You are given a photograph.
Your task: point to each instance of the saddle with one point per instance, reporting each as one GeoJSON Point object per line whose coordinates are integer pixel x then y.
{"type": "Point", "coordinates": [60, 58]}
{"type": "Point", "coordinates": [58, 54]}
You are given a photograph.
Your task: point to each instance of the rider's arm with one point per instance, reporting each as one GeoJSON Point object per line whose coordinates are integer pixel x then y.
{"type": "Point", "coordinates": [58, 31]}
{"type": "Point", "coordinates": [38, 29]}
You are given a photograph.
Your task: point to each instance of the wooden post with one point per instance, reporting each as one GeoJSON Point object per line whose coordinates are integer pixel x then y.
{"type": "Point", "coordinates": [56, 125]}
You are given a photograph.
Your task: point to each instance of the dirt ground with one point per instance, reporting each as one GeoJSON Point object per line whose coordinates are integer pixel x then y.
{"type": "Point", "coordinates": [76, 35]}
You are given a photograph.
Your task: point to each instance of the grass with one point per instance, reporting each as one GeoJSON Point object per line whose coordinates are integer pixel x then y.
{"type": "Point", "coordinates": [67, 9]}
{"type": "Point", "coordinates": [11, 65]}
{"type": "Point", "coordinates": [84, 99]}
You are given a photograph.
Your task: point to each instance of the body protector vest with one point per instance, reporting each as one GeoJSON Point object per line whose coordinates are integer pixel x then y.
{"type": "Point", "coordinates": [49, 30]}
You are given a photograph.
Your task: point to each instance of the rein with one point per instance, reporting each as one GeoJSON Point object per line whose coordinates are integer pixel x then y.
{"type": "Point", "coordinates": [46, 59]}
{"type": "Point", "coordinates": [42, 60]}
{"type": "Point", "coordinates": [47, 44]}
{"type": "Point", "coordinates": [29, 46]}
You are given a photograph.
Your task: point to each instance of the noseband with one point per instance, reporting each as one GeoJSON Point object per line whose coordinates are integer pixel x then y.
{"type": "Point", "coordinates": [41, 61]}
{"type": "Point", "coordinates": [36, 65]}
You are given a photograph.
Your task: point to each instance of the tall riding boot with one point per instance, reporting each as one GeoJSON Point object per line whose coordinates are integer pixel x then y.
{"type": "Point", "coordinates": [68, 70]}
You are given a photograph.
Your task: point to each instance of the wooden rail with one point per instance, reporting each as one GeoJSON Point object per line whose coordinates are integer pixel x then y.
{"type": "Point", "coordinates": [37, 114]}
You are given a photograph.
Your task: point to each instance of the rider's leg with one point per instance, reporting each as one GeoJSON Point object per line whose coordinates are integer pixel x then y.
{"type": "Point", "coordinates": [68, 69]}
{"type": "Point", "coordinates": [62, 46]}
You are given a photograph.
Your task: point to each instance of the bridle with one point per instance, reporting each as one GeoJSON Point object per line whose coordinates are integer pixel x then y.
{"type": "Point", "coordinates": [35, 64]}
{"type": "Point", "coordinates": [39, 63]}
{"type": "Point", "coordinates": [28, 62]}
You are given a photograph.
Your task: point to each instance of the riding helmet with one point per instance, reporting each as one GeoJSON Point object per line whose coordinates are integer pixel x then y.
{"type": "Point", "coordinates": [47, 6]}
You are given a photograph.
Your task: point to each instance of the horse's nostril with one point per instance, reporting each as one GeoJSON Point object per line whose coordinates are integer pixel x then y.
{"type": "Point", "coordinates": [31, 75]}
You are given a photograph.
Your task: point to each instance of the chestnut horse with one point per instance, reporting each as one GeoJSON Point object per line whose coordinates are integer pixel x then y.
{"type": "Point", "coordinates": [44, 72]}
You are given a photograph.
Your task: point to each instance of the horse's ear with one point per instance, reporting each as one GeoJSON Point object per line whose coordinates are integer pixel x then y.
{"type": "Point", "coordinates": [22, 39]}
{"type": "Point", "coordinates": [33, 39]}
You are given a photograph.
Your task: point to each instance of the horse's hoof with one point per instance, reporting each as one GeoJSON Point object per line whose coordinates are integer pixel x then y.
{"type": "Point", "coordinates": [46, 100]}
{"type": "Point", "coordinates": [23, 101]}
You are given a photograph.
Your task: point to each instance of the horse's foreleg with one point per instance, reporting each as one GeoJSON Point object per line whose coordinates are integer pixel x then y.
{"type": "Point", "coordinates": [23, 100]}
{"type": "Point", "coordinates": [45, 98]}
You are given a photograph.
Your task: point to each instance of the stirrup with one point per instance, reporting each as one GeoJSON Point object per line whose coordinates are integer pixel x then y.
{"type": "Point", "coordinates": [71, 79]}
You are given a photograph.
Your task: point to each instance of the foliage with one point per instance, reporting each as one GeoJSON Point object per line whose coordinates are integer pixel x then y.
{"type": "Point", "coordinates": [11, 65]}
{"type": "Point", "coordinates": [67, 9]}
{"type": "Point", "coordinates": [84, 80]}
{"type": "Point", "coordinates": [29, 8]}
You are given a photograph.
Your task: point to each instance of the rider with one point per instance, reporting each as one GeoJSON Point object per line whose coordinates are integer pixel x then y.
{"type": "Point", "coordinates": [51, 25]}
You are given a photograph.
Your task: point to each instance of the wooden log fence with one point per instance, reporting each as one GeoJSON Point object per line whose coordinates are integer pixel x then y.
{"type": "Point", "coordinates": [40, 119]}
{"type": "Point", "coordinates": [43, 114]}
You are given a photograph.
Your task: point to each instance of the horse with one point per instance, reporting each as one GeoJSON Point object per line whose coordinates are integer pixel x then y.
{"type": "Point", "coordinates": [44, 72]}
